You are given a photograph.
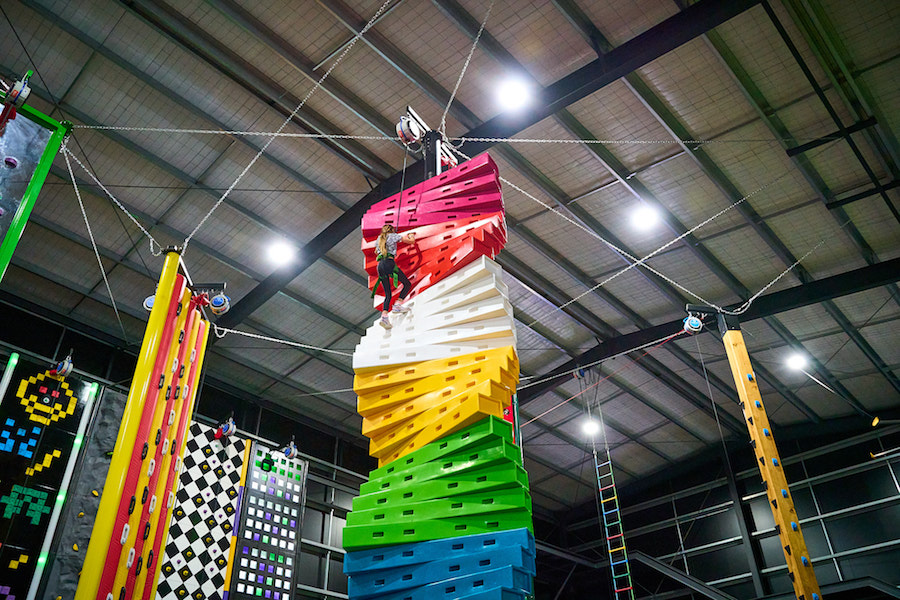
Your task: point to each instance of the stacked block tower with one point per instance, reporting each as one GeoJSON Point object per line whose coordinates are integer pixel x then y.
{"type": "Point", "coordinates": [447, 514]}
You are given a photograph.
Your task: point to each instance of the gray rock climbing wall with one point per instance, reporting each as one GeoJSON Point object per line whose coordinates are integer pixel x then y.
{"type": "Point", "coordinates": [74, 529]}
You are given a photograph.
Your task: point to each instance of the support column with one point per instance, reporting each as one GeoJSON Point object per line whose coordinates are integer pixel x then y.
{"type": "Point", "coordinates": [753, 556]}
{"type": "Point", "coordinates": [787, 524]}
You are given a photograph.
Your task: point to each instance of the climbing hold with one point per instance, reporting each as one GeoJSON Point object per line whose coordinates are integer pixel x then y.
{"type": "Point", "coordinates": [794, 526]}
{"type": "Point", "coordinates": [151, 466]}
{"type": "Point", "coordinates": [81, 514]}
{"type": "Point", "coordinates": [749, 376]}
{"type": "Point", "coordinates": [125, 530]}
{"type": "Point", "coordinates": [775, 461]}
{"type": "Point", "coordinates": [766, 432]}
{"type": "Point", "coordinates": [758, 404]}
{"type": "Point", "coordinates": [95, 493]}
{"type": "Point", "coordinates": [784, 493]}
{"type": "Point", "coordinates": [805, 561]}
{"type": "Point", "coordinates": [815, 596]}
{"type": "Point", "coordinates": [75, 547]}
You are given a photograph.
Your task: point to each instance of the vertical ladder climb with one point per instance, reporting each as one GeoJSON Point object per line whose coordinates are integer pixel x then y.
{"type": "Point", "coordinates": [612, 525]}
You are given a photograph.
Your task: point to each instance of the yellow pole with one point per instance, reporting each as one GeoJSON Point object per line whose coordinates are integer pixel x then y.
{"type": "Point", "coordinates": [95, 556]}
{"type": "Point", "coordinates": [167, 458]}
{"type": "Point", "coordinates": [156, 425]}
{"type": "Point", "coordinates": [192, 396]}
{"type": "Point", "coordinates": [800, 568]}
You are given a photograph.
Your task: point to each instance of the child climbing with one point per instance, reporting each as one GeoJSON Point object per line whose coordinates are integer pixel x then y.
{"type": "Point", "coordinates": [386, 248]}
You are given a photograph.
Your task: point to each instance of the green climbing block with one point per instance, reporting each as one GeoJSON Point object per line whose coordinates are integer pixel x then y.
{"type": "Point", "coordinates": [488, 452]}
{"type": "Point", "coordinates": [467, 505]}
{"type": "Point", "coordinates": [485, 479]}
{"type": "Point", "coordinates": [455, 442]}
{"type": "Point", "coordinates": [361, 537]}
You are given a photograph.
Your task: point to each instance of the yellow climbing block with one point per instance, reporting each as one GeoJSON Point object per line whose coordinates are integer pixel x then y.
{"type": "Point", "coordinates": [370, 382]}
{"type": "Point", "coordinates": [44, 464]}
{"type": "Point", "coordinates": [402, 401]}
{"type": "Point", "coordinates": [14, 564]}
{"type": "Point", "coordinates": [398, 417]}
{"type": "Point", "coordinates": [476, 404]}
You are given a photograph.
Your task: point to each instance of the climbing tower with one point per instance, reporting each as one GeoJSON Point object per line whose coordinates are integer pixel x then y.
{"type": "Point", "coordinates": [448, 512]}
{"type": "Point", "coordinates": [123, 557]}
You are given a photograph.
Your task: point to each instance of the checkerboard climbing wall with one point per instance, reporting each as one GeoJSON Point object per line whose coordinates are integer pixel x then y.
{"type": "Point", "coordinates": [447, 514]}
{"type": "Point", "coordinates": [236, 526]}
{"type": "Point", "coordinates": [268, 546]}
{"type": "Point", "coordinates": [202, 531]}
{"type": "Point", "coordinates": [42, 421]}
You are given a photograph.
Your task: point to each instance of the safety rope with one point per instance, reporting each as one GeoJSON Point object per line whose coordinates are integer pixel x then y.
{"type": "Point", "coordinates": [290, 117]}
{"type": "Point", "coordinates": [158, 249]}
{"type": "Point", "coordinates": [221, 332]}
{"type": "Point", "coordinates": [459, 140]}
{"type": "Point", "coordinates": [87, 225]}
{"type": "Point", "coordinates": [443, 126]}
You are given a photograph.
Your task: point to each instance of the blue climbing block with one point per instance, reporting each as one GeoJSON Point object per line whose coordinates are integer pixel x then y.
{"type": "Point", "coordinates": [469, 586]}
{"type": "Point", "coordinates": [373, 584]}
{"type": "Point", "coordinates": [498, 594]}
{"type": "Point", "coordinates": [401, 555]}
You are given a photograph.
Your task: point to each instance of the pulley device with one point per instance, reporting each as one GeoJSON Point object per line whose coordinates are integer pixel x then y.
{"type": "Point", "coordinates": [226, 428]}
{"type": "Point", "coordinates": [15, 98]}
{"type": "Point", "coordinates": [692, 324]}
{"type": "Point", "coordinates": [439, 155]}
{"type": "Point", "coordinates": [64, 367]}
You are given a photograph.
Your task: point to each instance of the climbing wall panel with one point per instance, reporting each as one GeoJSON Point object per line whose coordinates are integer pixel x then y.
{"type": "Point", "coordinates": [202, 533]}
{"type": "Point", "coordinates": [42, 421]}
{"type": "Point", "coordinates": [450, 489]}
{"type": "Point", "coordinates": [268, 541]}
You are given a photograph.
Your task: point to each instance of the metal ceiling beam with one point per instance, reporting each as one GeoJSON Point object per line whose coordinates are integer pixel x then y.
{"type": "Point", "coordinates": [535, 281]}
{"type": "Point", "coordinates": [681, 577]}
{"type": "Point", "coordinates": [174, 96]}
{"type": "Point", "coordinates": [633, 54]}
{"type": "Point", "coordinates": [851, 282]}
{"type": "Point", "coordinates": [214, 52]}
{"type": "Point", "coordinates": [303, 65]}
{"type": "Point", "coordinates": [665, 117]}
{"type": "Point", "coordinates": [466, 23]}
{"type": "Point", "coordinates": [826, 45]}
{"type": "Point", "coordinates": [880, 150]}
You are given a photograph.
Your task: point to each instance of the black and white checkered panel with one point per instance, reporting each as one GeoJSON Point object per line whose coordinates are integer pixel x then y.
{"type": "Point", "coordinates": [206, 505]}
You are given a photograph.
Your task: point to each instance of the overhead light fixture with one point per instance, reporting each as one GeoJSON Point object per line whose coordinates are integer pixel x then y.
{"type": "Point", "coordinates": [644, 217]}
{"type": "Point", "coordinates": [513, 94]}
{"type": "Point", "coordinates": [281, 253]}
{"type": "Point", "coordinates": [591, 427]}
{"type": "Point", "coordinates": [796, 361]}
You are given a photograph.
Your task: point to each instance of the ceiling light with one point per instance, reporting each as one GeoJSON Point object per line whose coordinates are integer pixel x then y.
{"type": "Point", "coordinates": [281, 253]}
{"type": "Point", "coordinates": [513, 93]}
{"type": "Point", "coordinates": [591, 427]}
{"type": "Point", "coordinates": [796, 362]}
{"type": "Point", "coordinates": [644, 217]}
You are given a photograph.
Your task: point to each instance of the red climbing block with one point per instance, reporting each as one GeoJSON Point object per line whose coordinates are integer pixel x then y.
{"type": "Point", "coordinates": [474, 177]}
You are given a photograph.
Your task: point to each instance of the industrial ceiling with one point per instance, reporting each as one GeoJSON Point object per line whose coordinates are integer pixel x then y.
{"type": "Point", "coordinates": [785, 113]}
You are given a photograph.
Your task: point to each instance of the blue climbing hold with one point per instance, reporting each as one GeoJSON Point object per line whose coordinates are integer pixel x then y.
{"type": "Point", "coordinates": [794, 526]}
{"type": "Point", "coordinates": [758, 404]}
{"type": "Point", "coordinates": [749, 376]}
{"type": "Point", "coordinates": [775, 461]}
{"type": "Point", "coordinates": [805, 561]}
{"type": "Point", "coordinates": [766, 432]}
{"type": "Point", "coordinates": [784, 494]}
